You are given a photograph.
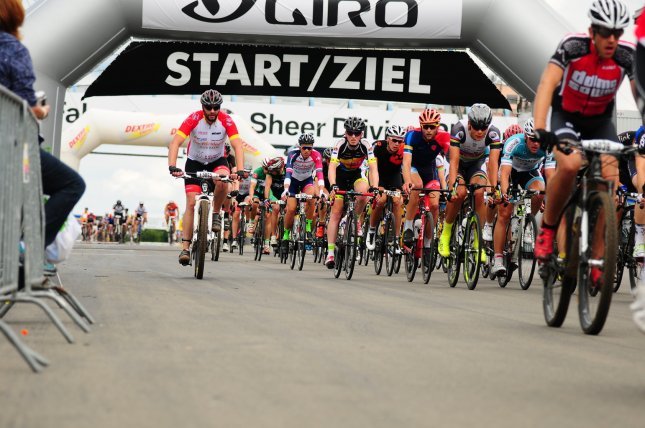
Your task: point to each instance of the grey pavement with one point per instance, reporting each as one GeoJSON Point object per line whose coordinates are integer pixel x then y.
{"type": "Point", "coordinates": [255, 344]}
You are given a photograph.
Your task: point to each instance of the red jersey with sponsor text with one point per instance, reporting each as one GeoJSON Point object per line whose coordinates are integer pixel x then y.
{"type": "Point", "coordinates": [590, 83]}
{"type": "Point", "coordinates": [207, 141]}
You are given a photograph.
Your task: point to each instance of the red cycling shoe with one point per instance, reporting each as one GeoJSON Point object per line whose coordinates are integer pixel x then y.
{"type": "Point", "coordinates": [544, 245]}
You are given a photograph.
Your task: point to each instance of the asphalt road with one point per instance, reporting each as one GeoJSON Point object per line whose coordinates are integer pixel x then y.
{"type": "Point", "coordinates": [254, 344]}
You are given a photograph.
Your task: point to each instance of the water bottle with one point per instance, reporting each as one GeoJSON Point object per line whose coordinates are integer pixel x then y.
{"type": "Point", "coordinates": [417, 228]}
{"type": "Point", "coordinates": [341, 225]}
{"type": "Point", "coordinates": [514, 228]}
{"type": "Point", "coordinates": [627, 224]}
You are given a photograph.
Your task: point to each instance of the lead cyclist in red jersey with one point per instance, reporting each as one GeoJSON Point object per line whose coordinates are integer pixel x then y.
{"type": "Point", "coordinates": [580, 84]}
{"type": "Point", "coordinates": [206, 130]}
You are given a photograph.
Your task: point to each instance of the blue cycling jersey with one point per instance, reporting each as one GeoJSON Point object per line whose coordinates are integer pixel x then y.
{"type": "Point", "coordinates": [517, 155]}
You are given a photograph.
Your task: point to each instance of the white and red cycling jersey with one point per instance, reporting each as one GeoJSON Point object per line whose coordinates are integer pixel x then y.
{"type": "Point", "coordinates": [590, 83]}
{"type": "Point", "coordinates": [207, 141]}
{"type": "Point", "coordinates": [301, 169]}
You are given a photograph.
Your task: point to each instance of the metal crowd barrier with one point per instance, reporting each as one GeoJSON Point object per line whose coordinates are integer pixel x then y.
{"type": "Point", "coordinates": [22, 228]}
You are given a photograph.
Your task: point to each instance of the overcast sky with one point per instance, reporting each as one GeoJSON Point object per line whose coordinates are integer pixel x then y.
{"type": "Point", "coordinates": [134, 179]}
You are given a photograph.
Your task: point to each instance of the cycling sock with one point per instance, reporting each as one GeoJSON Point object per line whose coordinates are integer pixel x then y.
{"type": "Point", "coordinates": [447, 227]}
{"type": "Point", "coordinates": [308, 226]}
{"type": "Point", "coordinates": [266, 242]}
{"type": "Point", "coordinates": [408, 224]}
{"type": "Point", "coordinates": [372, 229]}
{"type": "Point", "coordinates": [331, 247]}
{"type": "Point", "coordinates": [639, 235]}
{"type": "Point", "coordinates": [286, 235]}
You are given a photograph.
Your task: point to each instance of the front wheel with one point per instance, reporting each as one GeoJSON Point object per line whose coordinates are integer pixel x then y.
{"type": "Point", "coordinates": [596, 274]}
{"type": "Point", "coordinates": [428, 253]}
{"type": "Point", "coordinates": [472, 253]}
{"type": "Point", "coordinates": [526, 257]}
{"type": "Point", "coordinates": [350, 247]}
{"type": "Point", "coordinates": [201, 245]}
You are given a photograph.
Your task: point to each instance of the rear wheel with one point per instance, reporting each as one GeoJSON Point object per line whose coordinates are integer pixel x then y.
{"type": "Point", "coordinates": [526, 256]}
{"type": "Point", "coordinates": [200, 246]}
{"type": "Point", "coordinates": [596, 277]}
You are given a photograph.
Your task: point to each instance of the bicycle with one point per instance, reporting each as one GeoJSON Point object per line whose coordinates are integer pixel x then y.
{"type": "Point", "coordinates": [137, 236]}
{"type": "Point", "coordinates": [590, 204]}
{"type": "Point", "coordinates": [258, 233]}
{"type": "Point", "coordinates": [521, 233]}
{"type": "Point", "coordinates": [465, 241]}
{"type": "Point", "coordinates": [298, 242]}
{"type": "Point", "coordinates": [203, 214]}
{"type": "Point", "coordinates": [626, 229]}
{"type": "Point", "coordinates": [172, 220]}
{"type": "Point", "coordinates": [364, 254]}
{"type": "Point", "coordinates": [421, 252]}
{"type": "Point", "coordinates": [385, 242]}
{"type": "Point", "coordinates": [216, 243]}
{"type": "Point", "coordinates": [320, 242]}
{"type": "Point", "coordinates": [347, 240]}
{"type": "Point", "coordinates": [119, 234]}
{"type": "Point", "coordinates": [241, 230]}
{"type": "Point", "coordinates": [279, 249]}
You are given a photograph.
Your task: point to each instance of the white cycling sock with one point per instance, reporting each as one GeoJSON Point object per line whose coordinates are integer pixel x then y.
{"type": "Point", "coordinates": [408, 224]}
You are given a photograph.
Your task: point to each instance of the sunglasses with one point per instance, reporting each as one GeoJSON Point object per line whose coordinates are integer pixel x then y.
{"type": "Point", "coordinates": [396, 141]}
{"type": "Point", "coordinates": [479, 127]}
{"type": "Point", "coordinates": [605, 32]}
{"type": "Point", "coordinates": [308, 148]}
{"type": "Point", "coordinates": [431, 126]}
{"type": "Point", "coordinates": [208, 107]}
{"type": "Point", "coordinates": [354, 133]}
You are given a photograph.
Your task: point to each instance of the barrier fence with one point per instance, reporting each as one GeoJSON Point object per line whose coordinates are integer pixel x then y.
{"type": "Point", "coordinates": [22, 228]}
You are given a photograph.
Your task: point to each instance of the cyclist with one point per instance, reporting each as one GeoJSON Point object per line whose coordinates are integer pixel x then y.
{"type": "Point", "coordinates": [207, 129]}
{"type": "Point", "coordinates": [171, 212]}
{"type": "Point", "coordinates": [579, 84]}
{"type": "Point", "coordinates": [119, 213]}
{"type": "Point", "coordinates": [302, 164]}
{"type": "Point", "coordinates": [389, 157]}
{"type": "Point", "coordinates": [273, 191]}
{"type": "Point", "coordinates": [471, 140]}
{"type": "Point", "coordinates": [521, 161]}
{"type": "Point", "coordinates": [629, 176]}
{"type": "Point", "coordinates": [244, 185]}
{"type": "Point", "coordinates": [140, 216]}
{"type": "Point", "coordinates": [422, 146]}
{"type": "Point", "coordinates": [345, 174]}
{"type": "Point", "coordinates": [231, 192]}
{"type": "Point", "coordinates": [322, 206]}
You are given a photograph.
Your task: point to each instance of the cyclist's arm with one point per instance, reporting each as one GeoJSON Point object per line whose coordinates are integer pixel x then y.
{"type": "Point", "coordinates": [441, 172]}
{"type": "Point", "coordinates": [238, 146]}
{"type": "Point", "coordinates": [493, 165]}
{"type": "Point", "coordinates": [267, 185]}
{"type": "Point", "coordinates": [454, 165]}
{"type": "Point", "coordinates": [331, 173]}
{"type": "Point", "coordinates": [504, 178]}
{"type": "Point", "coordinates": [173, 148]}
{"type": "Point", "coordinates": [373, 173]}
{"type": "Point", "coordinates": [551, 78]}
{"type": "Point", "coordinates": [252, 187]}
{"type": "Point", "coordinates": [406, 166]}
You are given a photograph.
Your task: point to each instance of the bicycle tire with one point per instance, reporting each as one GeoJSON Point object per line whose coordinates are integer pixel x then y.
{"type": "Point", "coordinates": [389, 245]}
{"type": "Point", "coordinates": [351, 246]}
{"type": "Point", "coordinates": [302, 238]}
{"type": "Point", "coordinates": [379, 248]}
{"type": "Point", "coordinates": [559, 278]}
{"type": "Point", "coordinates": [599, 205]}
{"type": "Point", "coordinates": [507, 253]}
{"type": "Point", "coordinates": [293, 243]}
{"type": "Point", "coordinates": [526, 257]}
{"type": "Point", "coordinates": [472, 255]}
{"type": "Point", "coordinates": [453, 262]}
{"type": "Point", "coordinates": [217, 244]}
{"type": "Point", "coordinates": [427, 262]}
{"type": "Point", "coordinates": [635, 266]}
{"type": "Point", "coordinates": [200, 247]}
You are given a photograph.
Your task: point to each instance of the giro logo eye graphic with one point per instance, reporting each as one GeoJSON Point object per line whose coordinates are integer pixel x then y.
{"type": "Point", "coordinates": [213, 6]}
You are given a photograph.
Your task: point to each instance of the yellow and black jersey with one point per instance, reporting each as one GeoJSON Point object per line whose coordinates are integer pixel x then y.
{"type": "Point", "coordinates": [350, 158]}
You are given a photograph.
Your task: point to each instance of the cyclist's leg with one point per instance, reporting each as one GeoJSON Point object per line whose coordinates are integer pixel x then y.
{"type": "Point", "coordinates": [412, 208]}
{"type": "Point", "coordinates": [536, 183]}
{"type": "Point", "coordinates": [308, 188]}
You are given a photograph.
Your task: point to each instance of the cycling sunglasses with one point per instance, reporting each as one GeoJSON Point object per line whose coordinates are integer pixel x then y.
{"type": "Point", "coordinates": [478, 127]}
{"type": "Point", "coordinates": [354, 133]}
{"type": "Point", "coordinates": [309, 148]}
{"type": "Point", "coordinates": [431, 126]}
{"type": "Point", "coordinates": [605, 32]}
{"type": "Point", "coordinates": [210, 107]}
{"type": "Point", "coordinates": [397, 141]}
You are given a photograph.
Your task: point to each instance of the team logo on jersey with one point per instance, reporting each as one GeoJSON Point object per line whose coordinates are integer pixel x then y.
{"type": "Point", "coordinates": [592, 85]}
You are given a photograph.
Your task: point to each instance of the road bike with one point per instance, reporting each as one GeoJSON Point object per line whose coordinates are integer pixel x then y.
{"type": "Point", "coordinates": [587, 244]}
{"type": "Point", "coordinates": [299, 241]}
{"type": "Point", "coordinates": [347, 240]}
{"type": "Point", "coordinates": [258, 233]}
{"type": "Point", "coordinates": [386, 246]}
{"type": "Point", "coordinates": [626, 232]}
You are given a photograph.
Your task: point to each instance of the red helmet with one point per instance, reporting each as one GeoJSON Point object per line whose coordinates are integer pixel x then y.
{"type": "Point", "coordinates": [512, 130]}
{"type": "Point", "coordinates": [429, 115]}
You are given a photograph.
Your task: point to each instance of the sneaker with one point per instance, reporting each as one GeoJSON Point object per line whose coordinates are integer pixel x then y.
{"type": "Point", "coordinates": [329, 262]}
{"type": "Point", "coordinates": [274, 241]}
{"type": "Point", "coordinates": [487, 232]}
{"type": "Point", "coordinates": [320, 231]}
{"type": "Point", "coordinates": [498, 268]}
{"type": "Point", "coordinates": [217, 223]}
{"type": "Point", "coordinates": [444, 244]}
{"type": "Point", "coordinates": [266, 249]}
{"type": "Point", "coordinates": [225, 247]}
{"type": "Point", "coordinates": [408, 237]}
{"type": "Point", "coordinates": [370, 244]}
{"type": "Point", "coordinates": [234, 245]}
{"type": "Point", "coordinates": [639, 252]}
{"type": "Point", "coordinates": [184, 257]}
{"type": "Point", "coordinates": [49, 269]}
{"type": "Point", "coordinates": [638, 307]}
{"type": "Point", "coordinates": [544, 247]}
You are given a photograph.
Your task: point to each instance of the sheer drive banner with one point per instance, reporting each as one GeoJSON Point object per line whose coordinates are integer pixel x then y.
{"type": "Point", "coordinates": [430, 77]}
{"type": "Point", "coordinates": [409, 19]}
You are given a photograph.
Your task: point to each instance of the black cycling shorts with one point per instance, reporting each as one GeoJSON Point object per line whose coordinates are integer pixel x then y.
{"type": "Point", "coordinates": [193, 185]}
{"type": "Point", "coordinates": [345, 180]}
{"type": "Point", "coordinates": [468, 170]}
{"type": "Point", "coordinates": [525, 178]}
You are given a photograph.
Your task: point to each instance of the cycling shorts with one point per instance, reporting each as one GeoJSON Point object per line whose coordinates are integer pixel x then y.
{"type": "Point", "coordinates": [193, 185]}
{"type": "Point", "coordinates": [525, 178]}
{"type": "Point", "coordinates": [468, 170]}
{"type": "Point", "coordinates": [297, 186]}
{"type": "Point", "coordinates": [576, 127]}
{"type": "Point", "coordinates": [346, 180]}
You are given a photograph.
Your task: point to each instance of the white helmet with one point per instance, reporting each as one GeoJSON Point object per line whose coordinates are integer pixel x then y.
{"type": "Point", "coordinates": [609, 14]}
{"type": "Point", "coordinates": [480, 116]}
{"type": "Point", "coordinates": [529, 128]}
{"type": "Point", "coordinates": [395, 131]}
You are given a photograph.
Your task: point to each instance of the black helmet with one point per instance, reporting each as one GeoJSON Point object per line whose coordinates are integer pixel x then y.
{"type": "Point", "coordinates": [354, 124]}
{"type": "Point", "coordinates": [212, 98]}
{"type": "Point", "coordinates": [118, 201]}
{"type": "Point", "coordinates": [306, 139]}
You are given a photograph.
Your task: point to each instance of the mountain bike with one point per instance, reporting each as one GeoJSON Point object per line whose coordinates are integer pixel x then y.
{"type": "Point", "coordinates": [589, 232]}
{"type": "Point", "coordinates": [347, 240]}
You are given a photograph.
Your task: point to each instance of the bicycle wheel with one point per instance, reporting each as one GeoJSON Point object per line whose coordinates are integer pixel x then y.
{"type": "Point", "coordinates": [635, 266]}
{"type": "Point", "coordinates": [217, 245]}
{"type": "Point", "coordinates": [453, 262]}
{"type": "Point", "coordinates": [301, 250]}
{"type": "Point", "coordinates": [389, 245]}
{"type": "Point", "coordinates": [509, 250]}
{"type": "Point", "coordinates": [201, 245]}
{"type": "Point", "coordinates": [559, 274]}
{"type": "Point", "coordinates": [293, 243]}
{"type": "Point", "coordinates": [339, 253]}
{"type": "Point", "coordinates": [410, 264]}
{"type": "Point", "coordinates": [427, 261]}
{"type": "Point", "coordinates": [350, 247]}
{"type": "Point", "coordinates": [380, 241]}
{"type": "Point", "coordinates": [594, 296]}
{"type": "Point", "coordinates": [526, 257]}
{"type": "Point", "coordinates": [471, 254]}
